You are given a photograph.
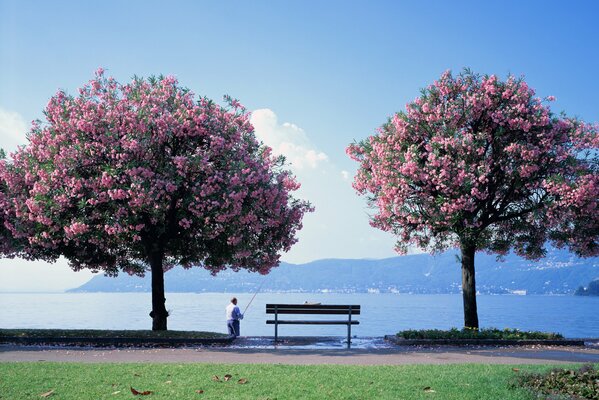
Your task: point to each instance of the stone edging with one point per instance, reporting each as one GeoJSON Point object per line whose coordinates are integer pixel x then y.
{"type": "Point", "coordinates": [483, 342]}
{"type": "Point", "coordinates": [115, 341]}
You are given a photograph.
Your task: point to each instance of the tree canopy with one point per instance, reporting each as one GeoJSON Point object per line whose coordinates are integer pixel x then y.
{"type": "Point", "coordinates": [482, 164]}
{"type": "Point", "coordinates": [124, 177]}
{"type": "Point", "coordinates": [483, 160]}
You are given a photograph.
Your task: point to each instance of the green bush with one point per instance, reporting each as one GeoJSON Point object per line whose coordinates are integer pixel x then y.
{"type": "Point", "coordinates": [468, 333]}
{"type": "Point", "coordinates": [562, 383]}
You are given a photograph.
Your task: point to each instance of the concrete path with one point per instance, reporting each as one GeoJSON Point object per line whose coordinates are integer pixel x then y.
{"type": "Point", "coordinates": [287, 355]}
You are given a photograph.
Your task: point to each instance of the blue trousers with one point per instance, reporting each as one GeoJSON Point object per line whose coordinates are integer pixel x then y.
{"type": "Point", "coordinates": [233, 327]}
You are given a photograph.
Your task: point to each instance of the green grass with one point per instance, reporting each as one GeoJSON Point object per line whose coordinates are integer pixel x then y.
{"type": "Point", "coordinates": [264, 381]}
{"type": "Point", "coordinates": [485, 333]}
{"type": "Point", "coordinates": [90, 333]}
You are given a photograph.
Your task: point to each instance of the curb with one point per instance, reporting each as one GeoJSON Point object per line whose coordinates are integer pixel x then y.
{"type": "Point", "coordinates": [115, 342]}
{"type": "Point", "coordinates": [483, 342]}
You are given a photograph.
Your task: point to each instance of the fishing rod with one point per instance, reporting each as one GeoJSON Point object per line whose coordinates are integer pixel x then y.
{"type": "Point", "coordinates": [253, 297]}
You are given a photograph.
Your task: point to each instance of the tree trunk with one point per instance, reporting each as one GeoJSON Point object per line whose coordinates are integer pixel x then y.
{"type": "Point", "coordinates": [469, 286]}
{"type": "Point", "coordinates": [159, 313]}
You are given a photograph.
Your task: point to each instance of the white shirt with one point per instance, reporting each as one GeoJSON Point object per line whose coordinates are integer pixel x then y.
{"type": "Point", "coordinates": [233, 312]}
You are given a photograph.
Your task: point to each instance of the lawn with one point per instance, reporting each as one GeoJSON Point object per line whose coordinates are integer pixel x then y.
{"type": "Point", "coordinates": [259, 381]}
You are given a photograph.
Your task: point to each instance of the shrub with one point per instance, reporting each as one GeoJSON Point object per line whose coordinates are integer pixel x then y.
{"type": "Point", "coordinates": [486, 333]}
{"type": "Point", "coordinates": [562, 383]}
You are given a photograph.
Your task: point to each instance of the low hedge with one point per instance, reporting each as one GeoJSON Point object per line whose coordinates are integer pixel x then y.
{"type": "Point", "coordinates": [485, 333]}
{"type": "Point", "coordinates": [122, 334]}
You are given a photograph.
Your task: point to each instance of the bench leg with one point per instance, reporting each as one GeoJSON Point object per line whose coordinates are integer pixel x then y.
{"type": "Point", "coordinates": [276, 324]}
{"type": "Point", "coordinates": [348, 336]}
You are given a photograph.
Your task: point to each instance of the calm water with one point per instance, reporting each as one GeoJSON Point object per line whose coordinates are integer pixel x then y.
{"type": "Point", "coordinates": [382, 314]}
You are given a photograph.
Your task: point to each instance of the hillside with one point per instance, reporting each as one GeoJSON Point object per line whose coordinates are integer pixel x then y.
{"type": "Point", "coordinates": [559, 273]}
{"type": "Point", "coordinates": [592, 289]}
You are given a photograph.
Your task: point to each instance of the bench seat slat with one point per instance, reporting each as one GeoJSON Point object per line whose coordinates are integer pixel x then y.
{"type": "Point", "coordinates": [315, 306]}
{"type": "Point", "coordinates": [300, 322]}
{"type": "Point", "coordinates": [313, 311]}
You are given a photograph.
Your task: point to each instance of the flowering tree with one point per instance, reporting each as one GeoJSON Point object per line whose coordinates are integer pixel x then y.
{"type": "Point", "coordinates": [481, 164]}
{"type": "Point", "coordinates": [8, 244]}
{"type": "Point", "coordinates": [141, 176]}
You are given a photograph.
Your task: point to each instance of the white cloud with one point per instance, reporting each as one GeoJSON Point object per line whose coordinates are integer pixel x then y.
{"type": "Point", "coordinates": [286, 139]}
{"type": "Point", "coordinates": [339, 227]}
{"type": "Point", "coordinates": [13, 130]}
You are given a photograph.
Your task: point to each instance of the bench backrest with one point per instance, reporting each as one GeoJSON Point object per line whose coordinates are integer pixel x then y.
{"type": "Point", "coordinates": [312, 309]}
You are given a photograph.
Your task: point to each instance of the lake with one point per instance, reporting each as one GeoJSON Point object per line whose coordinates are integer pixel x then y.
{"type": "Point", "coordinates": [382, 314]}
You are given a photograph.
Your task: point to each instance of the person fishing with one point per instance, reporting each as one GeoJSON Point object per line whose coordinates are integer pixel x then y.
{"type": "Point", "coordinates": [234, 315]}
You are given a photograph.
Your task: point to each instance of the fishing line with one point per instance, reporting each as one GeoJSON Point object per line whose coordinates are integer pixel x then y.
{"type": "Point", "coordinates": [254, 296]}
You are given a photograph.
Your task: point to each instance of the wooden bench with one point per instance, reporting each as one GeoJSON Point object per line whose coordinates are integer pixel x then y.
{"type": "Point", "coordinates": [319, 309]}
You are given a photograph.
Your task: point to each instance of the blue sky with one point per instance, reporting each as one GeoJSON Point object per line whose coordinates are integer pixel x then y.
{"type": "Point", "coordinates": [318, 75]}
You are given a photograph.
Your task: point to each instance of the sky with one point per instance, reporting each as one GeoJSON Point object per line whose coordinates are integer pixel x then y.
{"type": "Point", "coordinates": [316, 75]}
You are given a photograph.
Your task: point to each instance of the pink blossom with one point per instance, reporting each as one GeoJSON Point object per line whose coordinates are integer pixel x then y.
{"type": "Point", "coordinates": [135, 161]}
{"type": "Point", "coordinates": [467, 155]}
{"type": "Point", "coordinates": [75, 229]}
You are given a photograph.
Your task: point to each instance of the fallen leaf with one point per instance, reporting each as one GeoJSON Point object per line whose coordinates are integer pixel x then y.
{"type": "Point", "coordinates": [242, 381]}
{"type": "Point", "coordinates": [428, 389]}
{"type": "Point", "coordinates": [516, 369]}
{"type": "Point", "coordinates": [215, 378]}
{"type": "Point", "coordinates": [47, 394]}
{"type": "Point", "coordinates": [138, 393]}
{"type": "Point", "coordinates": [228, 376]}
{"type": "Point", "coordinates": [199, 391]}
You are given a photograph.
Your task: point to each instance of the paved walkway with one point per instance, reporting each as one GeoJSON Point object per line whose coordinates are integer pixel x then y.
{"type": "Point", "coordinates": [290, 355]}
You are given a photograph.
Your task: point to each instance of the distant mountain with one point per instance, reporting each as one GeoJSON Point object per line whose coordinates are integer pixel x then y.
{"type": "Point", "coordinates": [558, 273]}
{"type": "Point", "coordinates": [591, 290]}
